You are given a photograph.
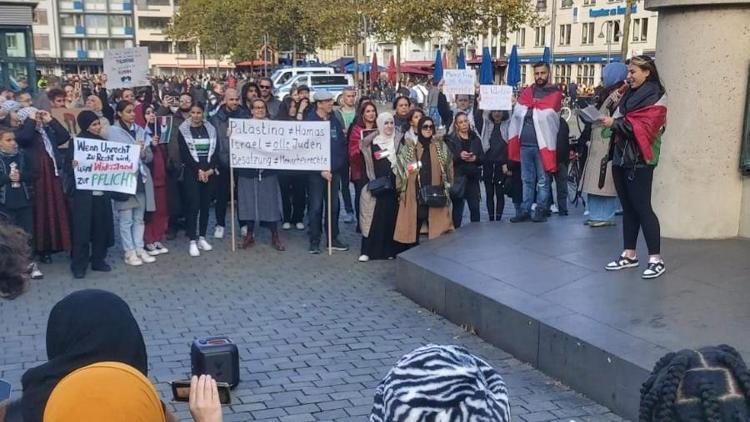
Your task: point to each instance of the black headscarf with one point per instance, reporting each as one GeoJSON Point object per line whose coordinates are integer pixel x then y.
{"type": "Point", "coordinates": [85, 327]}
{"type": "Point", "coordinates": [85, 119]}
{"type": "Point", "coordinates": [422, 140]}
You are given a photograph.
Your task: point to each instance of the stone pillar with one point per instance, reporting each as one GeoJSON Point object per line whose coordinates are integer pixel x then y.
{"type": "Point", "coordinates": [703, 56]}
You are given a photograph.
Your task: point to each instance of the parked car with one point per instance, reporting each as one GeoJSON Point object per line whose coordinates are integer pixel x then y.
{"type": "Point", "coordinates": [285, 74]}
{"type": "Point", "coordinates": [334, 84]}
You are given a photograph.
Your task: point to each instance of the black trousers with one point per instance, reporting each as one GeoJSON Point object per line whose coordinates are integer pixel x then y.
{"type": "Point", "coordinates": [516, 182]}
{"type": "Point", "coordinates": [293, 196]}
{"type": "Point", "coordinates": [91, 229]}
{"type": "Point", "coordinates": [221, 193]}
{"type": "Point", "coordinates": [175, 200]}
{"type": "Point", "coordinates": [346, 193]}
{"type": "Point", "coordinates": [472, 196]}
{"type": "Point", "coordinates": [358, 185]}
{"type": "Point", "coordinates": [634, 189]}
{"type": "Point", "coordinates": [495, 199]}
{"type": "Point", "coordinates": [198, 198]}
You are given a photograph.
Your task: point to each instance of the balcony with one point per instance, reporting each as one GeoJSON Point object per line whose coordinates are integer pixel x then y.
{"type": "Point", "coordinates": [71, 6]}
{"type": "Point", "coordinates": [120, 7]}
{"type": "Point", "coordinates": [121, 31]}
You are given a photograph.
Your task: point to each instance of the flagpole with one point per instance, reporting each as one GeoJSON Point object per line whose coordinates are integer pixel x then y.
{"type": "Point", "coordinates": [231, 203]}
{"type": "Point", "coordinates": [330, 229]}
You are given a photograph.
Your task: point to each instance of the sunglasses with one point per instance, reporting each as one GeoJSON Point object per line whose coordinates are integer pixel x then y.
{"type": "Point", "coordinates": [428, 127]}
{"type": "Point", "coordinates": [265, 86]}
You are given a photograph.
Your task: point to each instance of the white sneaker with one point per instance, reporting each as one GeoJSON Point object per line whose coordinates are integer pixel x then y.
{"type": "Point", "coordinates": [286, 226]}
{"type": "Point", "coordinates": [300, 226]}
{"type": "Point", "coordinates": [219, 232]}
{"type": "Point", "coordinates": [194, 248]}
{"type": "Point", "coordinates": [243, 231]}
{"type": "Point", "coordinates": [145, 257]}
{"type": "Point", "coordinates": [131, 258]}
{"type": "Point", "coordinates": [202, 244]}
{"type": "Point", "coordinates": [553, 209]}
{"type": "Point", "coordinates": [586, 212]}
{"type": "Point", "coordinates": [363, 258]}
{"type": "Point", "coordinates": [152, 250]}
{"type": "Point", "coordinates": [36, 274]}
{"type": "Point", "coordinates": [161, 248]}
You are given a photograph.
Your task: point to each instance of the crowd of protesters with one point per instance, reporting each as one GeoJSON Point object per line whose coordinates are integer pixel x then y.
{"type": "Point", "coordinates": [414, 169]}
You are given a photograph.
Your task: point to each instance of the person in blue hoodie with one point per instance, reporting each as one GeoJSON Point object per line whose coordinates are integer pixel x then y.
{"type": "Point", "coordinates": [318, 181]}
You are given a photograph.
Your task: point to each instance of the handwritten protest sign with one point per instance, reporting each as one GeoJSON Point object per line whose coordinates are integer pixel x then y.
{"type": "Point", "coordinates": [106, 166]}
{"type": "Point", "coordinates": [459, 82]}
{"type": "Point", "coordinates": [495, 97]}
{"type": "Point", "coordinates": [126, 67]}
{"type": "Point", "coordinates": [279, 145]}
{"type": "Point", "coordinates": [164, 128]}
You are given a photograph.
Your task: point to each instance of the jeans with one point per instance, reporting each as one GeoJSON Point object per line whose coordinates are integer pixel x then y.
{"type": "Point", "coordinates": [602, 208]}
{"type": "Point", "coordinates": [317, 195]}
{"type": "Point", "coordinates": [132, 226]}
{"type": "Point", "coordinates": [535, 180]}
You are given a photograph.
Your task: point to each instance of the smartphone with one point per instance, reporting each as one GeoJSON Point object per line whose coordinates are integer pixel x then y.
{"type": "Point", "coordinates": [4, 390]}
{"type": "Point", "coordinates": [181, 391]}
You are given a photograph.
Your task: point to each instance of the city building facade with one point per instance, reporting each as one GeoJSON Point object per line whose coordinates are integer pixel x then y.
{"type": "Point", "coordinates": [17, 67]}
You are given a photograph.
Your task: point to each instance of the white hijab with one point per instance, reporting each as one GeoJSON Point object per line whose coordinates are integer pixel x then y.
{"type": "Point", "coordinates": [386, 142]}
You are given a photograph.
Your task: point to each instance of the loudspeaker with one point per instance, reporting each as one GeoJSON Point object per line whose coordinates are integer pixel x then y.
{"type": "Point", "coordinates": [218, 357]}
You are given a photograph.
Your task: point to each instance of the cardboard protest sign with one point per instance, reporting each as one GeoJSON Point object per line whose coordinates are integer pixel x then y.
{"type": "Point", "coordinates": [164, 128]}
{"type": "Point", "coordinates": [106, 166]}
{"type": "Point", "coordinates": [68, 117]}
{"type": "Point", "coordinates": [279, 145]}
{"type": "Point", "coordinates": [459, 82]}
{"type": "Point", "coordinates": [495, 97]}
{"type": "Point", "coordinates": [126, 67]}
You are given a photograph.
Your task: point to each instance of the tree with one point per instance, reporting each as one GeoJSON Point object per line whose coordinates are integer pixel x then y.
{"type": "Point", "coordinates": [626, 30]}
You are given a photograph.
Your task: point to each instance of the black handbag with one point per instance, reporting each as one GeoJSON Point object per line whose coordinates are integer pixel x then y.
{"type": "Point", "coordinates": [433, 196]}
{"type": "Point", "coordinates": [458, 188]}
{"type": "Point", "coordinates": [380, 186]}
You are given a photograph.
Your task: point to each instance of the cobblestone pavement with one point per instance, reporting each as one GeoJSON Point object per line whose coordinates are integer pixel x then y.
{"type": "Point", "coordinates": [316, 333]}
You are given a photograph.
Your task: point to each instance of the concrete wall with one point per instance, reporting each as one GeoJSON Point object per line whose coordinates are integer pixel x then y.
{"type": "Point", "coordinates": [703, 54]}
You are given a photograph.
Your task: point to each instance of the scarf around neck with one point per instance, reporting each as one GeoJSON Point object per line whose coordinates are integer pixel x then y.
{"type": "Point", "coordinates": [23, 114]}
{"type": "Point", "coordinates": [185, 131]}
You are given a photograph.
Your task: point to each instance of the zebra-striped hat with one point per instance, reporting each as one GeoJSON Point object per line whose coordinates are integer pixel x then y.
{"type": "Point", "coordinates": [441, 383]}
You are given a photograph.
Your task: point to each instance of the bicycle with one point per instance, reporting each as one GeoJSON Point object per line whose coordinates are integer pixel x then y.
{"type": "Point", "coordinates": [575, 171]}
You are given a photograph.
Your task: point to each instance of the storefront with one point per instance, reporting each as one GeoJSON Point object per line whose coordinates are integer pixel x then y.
{"type": "Point", "coordinates": [17, 66]}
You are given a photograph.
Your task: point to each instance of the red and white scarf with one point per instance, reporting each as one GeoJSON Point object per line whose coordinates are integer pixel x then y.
{"type": "Point", "coordinates": [546, 115]}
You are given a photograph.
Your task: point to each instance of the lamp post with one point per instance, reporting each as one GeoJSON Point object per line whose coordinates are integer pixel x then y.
{"type": "Point", "coordinates": [609, 38]}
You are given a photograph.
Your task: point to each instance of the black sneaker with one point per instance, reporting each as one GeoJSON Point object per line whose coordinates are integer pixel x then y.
{"type": "Point", "coordinates": [101, 266]}
{"type": "Point", "coordinates": [338, 245]}
{"type": "Point", "coordinates": [540, 215]}
{"type": "Point", "coordinates": [520, 218]}
{"type": "Point", "coordinates": [654, 269]}
{"type": "Point", "coordinates": [621, 263]}
{"type": "Point", "coordinates": [314, 248]}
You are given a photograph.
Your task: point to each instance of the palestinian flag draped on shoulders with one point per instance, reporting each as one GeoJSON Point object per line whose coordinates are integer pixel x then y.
{"type": "Point", "coordinates": [648, 123]}
{"type": "Point", "coordinates": [546, 116]}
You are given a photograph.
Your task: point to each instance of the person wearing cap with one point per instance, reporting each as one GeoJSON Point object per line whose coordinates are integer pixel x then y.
{"type": "Point", "coordinates": [318, 183]}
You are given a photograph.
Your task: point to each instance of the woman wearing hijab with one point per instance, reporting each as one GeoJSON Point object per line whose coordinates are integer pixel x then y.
{"type": "Point", "coordinates": [378, 207]}
{"type": "Point", "coordinates": [132, 208]}
{"type": "Point", "coordinates": [364, 124]}
{"type": "Point", "coordinates": [467, 151]}
{"type": "Point", "coordinates": [637, 125]}
{"type": "Point", "coordinates": [601, 198]}
{"type": "Point", "coordinates": [441, 383]}
{"type": "Point", "coordinates": [198, 144]}
{"type": "Point", "coordinates": [495, 164]}
{"type": "Point", "coordinates": [40, 135]}
{"type": "Point", "coordinates": [94, 103]}
{"type": "Point", "coordinates": [426, 164]}
{"type": "Point", "coordinates": [156, 226]}
{"type": "Point", "coordinates": [92, 222]}
{"type": "Point", "coordinates": [85, 327]}
{"type": "Point", "coordinates": [259, 194]}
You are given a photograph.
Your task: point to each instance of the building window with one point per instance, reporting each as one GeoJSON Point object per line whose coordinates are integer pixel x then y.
{"type": "Point", "coordinates": [157, 2]}
{"type": "Point", "coordinates": [562, 73]}
{"type": "Point", "coordinates": [41, 42]}
{"type": "Point", "coordinates": [96, 24]}
{"type": "Point", "coordinates": [586, 74]}
{"type": "Point", "coordinates": [566, 4]}
{"type": "Point", "coordinates": [541, 4]}
{"type": "Point", "coordinates": [565, 34]}
{"type": "Point", "coordinates": [521, 37]}
{"type": "Point", "coordinates": [183, 47]}
{"type": "Point", "coordinates": [523, 74]}
{"type": "Point", "coordinates": [15, 44]}
{"type": "Point", "coordinates": [589, 2]}
{"type": "Point", "coordinates": [95, 5]}
{"type": "Point", "coordinates": [540, 36]}
{"type": "Point", "coordinates": [40, 16]}
{"type": "Point", "coordinates": [587, 34]}
{"type": "Point", "coordinates": [152, 22]}
{"type": "Point", "coordinates": [120, 43]}
{"type": "Point", "coordinates": [161, 47]}
{"type": "Point", "coordinates": [640, 30]}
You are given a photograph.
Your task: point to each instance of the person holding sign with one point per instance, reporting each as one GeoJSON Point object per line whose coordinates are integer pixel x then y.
{"type": "Point", "coordinates": [93, 225]}
{"type": "Point", "coordinates": [318, 183]}
{"type": "Point", "coordinates": [198, 146]}
{"type": "Point", "coordinates": [131, 208]}
{"type": "Point", "coordinates": [259, 193]}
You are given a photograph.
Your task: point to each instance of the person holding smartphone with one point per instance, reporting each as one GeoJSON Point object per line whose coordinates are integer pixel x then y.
{"type": "Point", "coordinates": [467, 151]}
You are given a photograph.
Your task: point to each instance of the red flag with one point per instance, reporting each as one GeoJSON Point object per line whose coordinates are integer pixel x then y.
{"type": "Point", "coordinates": [392, 71]}
{"type": "Point", "coordinates": [374, 70]}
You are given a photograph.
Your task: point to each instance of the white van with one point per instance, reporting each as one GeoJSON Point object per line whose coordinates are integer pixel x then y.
{"type": "Point", "coordinates": [334, 83]}
{"type": "Point", "coordinates": [283, 75]}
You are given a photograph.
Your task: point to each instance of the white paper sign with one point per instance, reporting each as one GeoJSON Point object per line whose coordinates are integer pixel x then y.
{"type": "Point", "coordinates": [459, 82]}
{"type": "Point", "coordinates": [495, 97]}
{"type": "Point", "coordinates": [126, 67]}
{"type": "Point", "coordinates": [279, 145]}
{"type": "Point", "coordinates": [106, 166]}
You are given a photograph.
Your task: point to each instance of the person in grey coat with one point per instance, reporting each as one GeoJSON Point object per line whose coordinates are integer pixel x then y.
{"type": "Point", "coordinates": [131, 208]}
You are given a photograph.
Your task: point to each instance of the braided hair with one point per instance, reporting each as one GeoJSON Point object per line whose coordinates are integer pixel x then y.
{"type": "Point", "coordinates": [711, 384]}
